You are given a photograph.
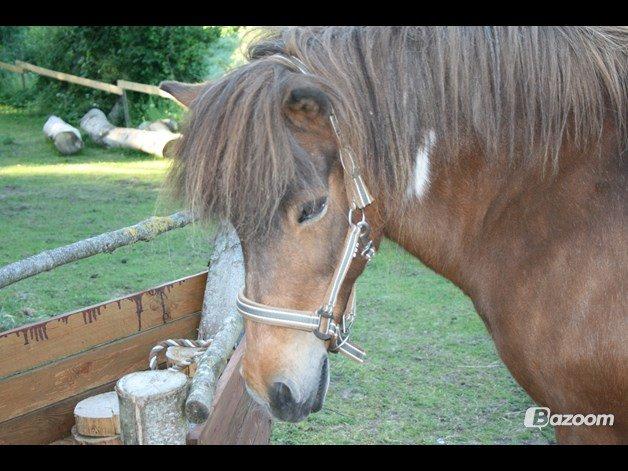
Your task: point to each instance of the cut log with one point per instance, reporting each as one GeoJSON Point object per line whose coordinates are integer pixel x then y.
{"type": "Point", "coordinates": [67, 139]}
{"type": "Point", "coordinates": [98, 416]}
{"type": "Point", "coordinates": [95, 124]}
{"type": "Point", "coordinates": [151, 407]}
{"type": "Point", "coordinates": [101, 131]}
{"type": "Point", "coordinates": [160, 125]}
{"type": "Point", "coordinates": [178, 356]}
{"type": "Point", "coordinates": [219, 320]}
{"type": "Point", "coordinates": [83, 440]}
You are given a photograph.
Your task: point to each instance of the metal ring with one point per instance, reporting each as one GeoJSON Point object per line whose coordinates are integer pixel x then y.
{"type": "Point", "coordinates": [365, 227]}
{"type": "Point", "coordinates": [322, 336]}
{"type": "Point", "coordinates": [352, 210]}
{"type": "Point", "coordinates": [325, 312]}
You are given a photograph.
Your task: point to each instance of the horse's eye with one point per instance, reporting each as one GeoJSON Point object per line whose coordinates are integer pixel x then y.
{"type": "Point", "coordinates": [313, 208]}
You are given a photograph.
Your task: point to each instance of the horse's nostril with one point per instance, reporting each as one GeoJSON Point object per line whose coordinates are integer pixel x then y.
{"type": "Point", "coordinates": [281, 395]}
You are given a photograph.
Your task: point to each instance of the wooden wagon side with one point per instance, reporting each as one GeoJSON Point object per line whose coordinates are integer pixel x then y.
{"type": "Point", "coordinates": [46, 368]}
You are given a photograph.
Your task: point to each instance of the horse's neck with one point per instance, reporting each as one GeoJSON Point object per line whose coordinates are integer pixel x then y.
{"type": "Point", "coordinates": [441, 217]}
{"type": "Point", "coordinates": [474, 220]}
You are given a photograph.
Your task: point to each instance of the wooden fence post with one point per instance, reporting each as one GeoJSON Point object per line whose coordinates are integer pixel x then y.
{"type": "Point", "coordinates": [125, 107]}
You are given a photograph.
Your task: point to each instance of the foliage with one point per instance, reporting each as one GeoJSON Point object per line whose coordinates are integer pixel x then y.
{"type": "Point", "coordinates": [146, 54]}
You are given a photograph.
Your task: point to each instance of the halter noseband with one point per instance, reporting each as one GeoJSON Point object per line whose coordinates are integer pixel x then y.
{"type": "Point", "coordinates": [357, 242]}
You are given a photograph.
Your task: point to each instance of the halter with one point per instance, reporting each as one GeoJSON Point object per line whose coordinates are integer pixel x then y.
{"type": "Point", "coordinates": [357, 243]}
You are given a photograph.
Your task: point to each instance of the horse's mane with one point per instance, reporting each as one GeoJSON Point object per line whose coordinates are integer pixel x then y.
{"type": "Point", "coordinates": [519, 91]}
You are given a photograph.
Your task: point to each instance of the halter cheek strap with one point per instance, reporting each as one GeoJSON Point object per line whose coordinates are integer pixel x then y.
{"type": "Point", "coordinates": [357, 243]}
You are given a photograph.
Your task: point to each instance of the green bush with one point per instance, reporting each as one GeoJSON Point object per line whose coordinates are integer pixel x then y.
{"type": "Point", "coordinates": [145, 54]}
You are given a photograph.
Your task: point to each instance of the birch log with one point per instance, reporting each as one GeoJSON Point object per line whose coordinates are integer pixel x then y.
{"type": "Point", "coordinates": [96, 125]}
{"type": "Point", "coordinates": [151, 407]}
{"type": "Point", "coordinates": [108, 242]}
{"type": "Point", "coordinates": [160, 125]}
{"type": "Point", "coordinates": [101, 131]}
{"type": "Point", "coordinates": [219, 321]}
{"type": "Point", "coordinates": [67, 139]}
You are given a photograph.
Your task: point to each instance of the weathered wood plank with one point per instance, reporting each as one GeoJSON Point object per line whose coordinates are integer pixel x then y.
{"type": "Point", "coordinates": [36, 344]}
{"type": "Point", "coordinates": [143, 88]}
{"type": "Point", "coordinates": [13, 68]}
{"type": "Point", "coordinates": [236, 419]}
{"type": "Point", "coordinates": [105, 87]}
{"type": "Point", "coordinates": [47, 424]}
{"type": "Point", "coordinates": [56, 381]}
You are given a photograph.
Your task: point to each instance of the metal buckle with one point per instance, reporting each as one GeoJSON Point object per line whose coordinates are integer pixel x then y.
{"type": "Point", "coordinates": [325, 312]}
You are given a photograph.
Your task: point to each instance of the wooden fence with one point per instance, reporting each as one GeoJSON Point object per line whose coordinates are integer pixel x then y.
{"type": "Point", "coordinates": [120, 88]}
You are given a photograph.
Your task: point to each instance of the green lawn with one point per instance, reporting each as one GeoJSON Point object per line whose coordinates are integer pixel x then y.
{"type": "Point", "coordinates": [432, 375]}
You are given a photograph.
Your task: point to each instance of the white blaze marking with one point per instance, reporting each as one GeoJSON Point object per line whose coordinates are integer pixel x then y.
{"type": "Point", "coordinates": [421, 177]}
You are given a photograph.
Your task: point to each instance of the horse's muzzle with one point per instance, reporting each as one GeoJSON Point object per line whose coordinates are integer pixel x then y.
{"type": "Point", "coordinates": [284, 403]}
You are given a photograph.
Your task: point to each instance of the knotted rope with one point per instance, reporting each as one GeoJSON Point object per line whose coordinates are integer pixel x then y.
{"type": "Point", "coordinates": [161, 346]}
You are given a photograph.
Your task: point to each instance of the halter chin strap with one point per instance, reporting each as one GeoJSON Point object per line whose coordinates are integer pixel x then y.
{"type": "Point", "coordinates": [357, 242]}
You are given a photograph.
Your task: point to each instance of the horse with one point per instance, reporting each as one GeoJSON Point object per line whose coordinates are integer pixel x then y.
{"type": "Point", "coordinates": [495, 155]}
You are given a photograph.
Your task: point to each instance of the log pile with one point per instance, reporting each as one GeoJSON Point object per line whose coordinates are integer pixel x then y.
{"type": "Point", "coordinates": [101, 131]}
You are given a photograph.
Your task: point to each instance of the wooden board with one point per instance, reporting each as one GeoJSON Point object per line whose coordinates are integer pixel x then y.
{"type": "Point", "coordinates": [36, 344]}
{"type": "Point", "coordinates": [236, 419]}
{"type": "Point", "coordinates": [143, 88]}
{"type": "Point", "coordinates": [105, 87]}
{"type": "Point", "coordinates": [56, 381]}
{"type": "Point", "coordinates": [50, 366]}
{"type": "Point", "coordinates": [47, 424]}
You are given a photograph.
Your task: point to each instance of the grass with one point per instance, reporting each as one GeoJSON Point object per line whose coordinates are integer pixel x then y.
{"type": "Point", "coordinates": [432, 375]}
{"type": "Point", "coordinates": [48, 200]}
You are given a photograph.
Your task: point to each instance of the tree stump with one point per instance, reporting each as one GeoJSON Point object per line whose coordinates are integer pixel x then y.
{"type": "Point", "coordinates": [85, 440]}
{"type": "Point", "coordinates": [98, 416]}
{"type": "Point", "coordinates": [176, 356]}
{"type": "Point", "coordinates": [67, 139]}
{"type": "Point", "coordinates": [151, 407]}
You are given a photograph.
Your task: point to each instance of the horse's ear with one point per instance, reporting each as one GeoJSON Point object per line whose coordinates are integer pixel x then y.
{"type": "Point", "coordinates": [306, 103]}
{"type": "Point", "coordinates": [184, 93]}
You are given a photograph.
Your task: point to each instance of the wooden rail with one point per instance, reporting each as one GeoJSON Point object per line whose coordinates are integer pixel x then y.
{"type": "Point", "coordinates": [11, 68]}
{"type": "Point", "coordinates": [143, 88]}
{"type": "Point", "coordinates": [105, 87]}
{"type": "Point", "coordinates": [121, 85]}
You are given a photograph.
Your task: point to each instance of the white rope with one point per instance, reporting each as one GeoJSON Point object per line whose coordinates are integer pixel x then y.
{"type": "Point", "coordinates": [161, 346]}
